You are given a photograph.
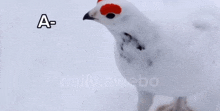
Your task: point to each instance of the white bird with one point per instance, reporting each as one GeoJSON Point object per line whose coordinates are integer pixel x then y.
{"type": "Point", "coordinates": [177, 60]}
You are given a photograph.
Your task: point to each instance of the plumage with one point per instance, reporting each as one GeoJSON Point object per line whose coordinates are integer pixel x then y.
{"type": "Point", "coordinates": [177, 59]}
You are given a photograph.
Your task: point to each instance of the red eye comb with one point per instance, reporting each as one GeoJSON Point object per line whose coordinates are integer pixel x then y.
{"type": "Point", "coordinates": [110, 8]}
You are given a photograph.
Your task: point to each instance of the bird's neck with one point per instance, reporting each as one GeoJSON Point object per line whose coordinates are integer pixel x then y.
{"type": "Point", "coordinates": [142, 30]}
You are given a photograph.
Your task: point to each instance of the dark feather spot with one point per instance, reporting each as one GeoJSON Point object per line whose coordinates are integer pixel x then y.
{"type": "Point", "coordinates": [140, 47]}
{"type": "Point", "coordinates": [127, 59]}
{"type": "Point", "coordinates": [134, 41]}
{"type": "Point", "coordinates": [150, 62]}
{"type": "Point", "coordinates": [122, 47]}
{"type": "Point", "coordinates": [129, 36]}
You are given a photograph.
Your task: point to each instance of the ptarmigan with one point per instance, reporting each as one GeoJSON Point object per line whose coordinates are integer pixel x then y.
{"type": "Point", "coordinates": [175, 60]}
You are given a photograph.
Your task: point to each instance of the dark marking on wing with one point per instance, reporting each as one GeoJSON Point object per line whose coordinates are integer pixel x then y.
{"type": "Point", "coordinates": [129, 37]}
{"type": "Point", "coordinates": [123, 40]}
{"type": "Point", "coordinates": [134, 40]}
{"type": "Point", "coordinates": [127, 59]}
{"type": "Point", "coordinates": [149, 62]}
{"type": "Point", "coordinates": [140, 47]}
{"type": "Point", "coordinates": [122, 47]}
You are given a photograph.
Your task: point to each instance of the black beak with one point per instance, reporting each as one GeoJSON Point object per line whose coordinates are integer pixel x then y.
{"type": "Point", "coordinates": [88, 17]}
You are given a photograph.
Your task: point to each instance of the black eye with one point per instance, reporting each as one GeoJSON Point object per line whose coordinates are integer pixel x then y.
{"type": "Point", "coordinates": [110, 15]}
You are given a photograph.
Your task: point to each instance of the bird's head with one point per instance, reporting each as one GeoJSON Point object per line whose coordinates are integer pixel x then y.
{"type": "Point", "coordinates": [113, 13]}
{"type": "Point", "coordinates": [122, 19]}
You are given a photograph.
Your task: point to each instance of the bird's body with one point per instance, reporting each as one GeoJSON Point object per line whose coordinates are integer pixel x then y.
{"type": "Point", "coordinates": [178, 59]}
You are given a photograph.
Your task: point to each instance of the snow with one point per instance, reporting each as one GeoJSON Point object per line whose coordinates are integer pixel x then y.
{"type": "Point", "coordinates": [71, 66]}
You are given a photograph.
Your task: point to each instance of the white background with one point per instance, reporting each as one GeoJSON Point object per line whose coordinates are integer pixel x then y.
{"type": "Point", "coordinates": [71, 66]}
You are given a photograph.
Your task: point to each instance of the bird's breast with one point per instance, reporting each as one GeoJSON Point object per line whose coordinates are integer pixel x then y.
{"type": "Point", "coordinates": [175, 73]}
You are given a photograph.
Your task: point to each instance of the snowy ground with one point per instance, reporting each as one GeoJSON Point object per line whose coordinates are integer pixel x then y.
{"type": "Point", "coordinates": [71, 66]}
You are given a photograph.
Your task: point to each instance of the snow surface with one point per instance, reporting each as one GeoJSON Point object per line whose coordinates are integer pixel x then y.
{"type": "Point", "coordinates": [71, 66]}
